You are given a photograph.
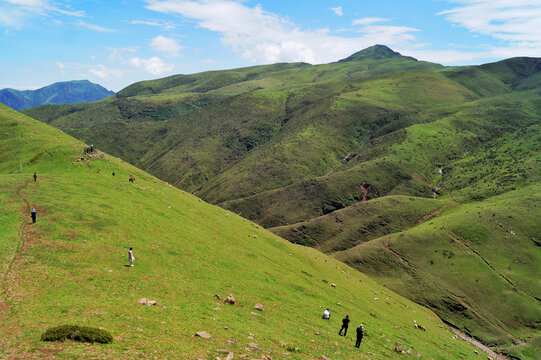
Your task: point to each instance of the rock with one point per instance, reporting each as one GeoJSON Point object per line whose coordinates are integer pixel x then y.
{"type": "Point", "coordinates": [217, 309]}
{"type": "Point", "coordinates": [398, 349]}
{"type": "Point", "coordinates": [230, 300]}
{"type": "Point", "coordinates": [255, 236]}
{"type": "Point", "coordinates": [254, 346]}
{"type": "Point", "coordinates": [152, 302]}
{"type": "Point", "coordinates": [229, 356]}
{"type": "Point", "coordinates": [203, 334]}
{"type": "Point", "coordinates": [317, 333]}
{"type": "Point", "coordinates": [253, 313]}
{"type": "Point", "coordinates": [226, 328]}
{"type": "Point", "coordinates": [143, 301]}
{"type": "Point", "coordinates": [217, 296]}
{"type": "Point", "coordinates": [232, 341]}
{"type": "Point", "coordinates": [476, 352]}
{"type": "Point", "coordinates": [333, 285]}
{"type": "Point", "coordinates": [258, 307]}
{"type": "Point", "coordinates": [138, 329]}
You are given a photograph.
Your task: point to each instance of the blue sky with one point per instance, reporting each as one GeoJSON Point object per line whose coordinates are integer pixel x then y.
{"type": "Point", "coordinates": [116, 43]}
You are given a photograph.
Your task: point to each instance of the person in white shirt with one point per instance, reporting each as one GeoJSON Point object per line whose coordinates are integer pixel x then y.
{"type": "Point", "coordinates": [131, 258]}
{"type": "Point", "coordinates": [326, 314]}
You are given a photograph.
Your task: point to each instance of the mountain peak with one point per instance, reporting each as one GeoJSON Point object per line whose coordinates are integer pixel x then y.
{"type": "Point", "coordinates": [373, 52]}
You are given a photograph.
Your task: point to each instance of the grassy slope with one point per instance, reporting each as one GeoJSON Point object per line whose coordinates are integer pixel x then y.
{"type": "Point", "coordinates": [478, 266]}
{"type": "Point", "coordinates": [69, 268]}
{"type": "Point", "coordinates": [471, 132]}
{"type": "Point", "coordinates": [361, 222]}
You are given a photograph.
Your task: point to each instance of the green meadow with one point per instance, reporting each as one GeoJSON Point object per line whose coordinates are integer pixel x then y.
{"type": "Point", "coordinates": [70, 268]}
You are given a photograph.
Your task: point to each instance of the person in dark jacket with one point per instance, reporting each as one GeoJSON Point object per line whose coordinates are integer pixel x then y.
{"type": "Point", "coordinates": [35, 176]}
{"type": "Point", "coordinates": [345, 324]}
{"type": "Point", "coordinates": [360, 334]}
{"type": "Point", "coordinates": [33, 214]}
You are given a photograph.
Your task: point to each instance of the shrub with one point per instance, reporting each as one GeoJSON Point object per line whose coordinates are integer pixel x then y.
{"type": "Point", "coordinates": [77, 333]}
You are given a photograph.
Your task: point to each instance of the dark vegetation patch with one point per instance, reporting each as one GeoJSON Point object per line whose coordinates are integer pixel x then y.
{"type": "Point", "coordinates": [77, 333]}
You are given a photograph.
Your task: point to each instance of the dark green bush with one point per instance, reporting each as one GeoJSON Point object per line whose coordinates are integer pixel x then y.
{"type": "Point", "coordinates": [77, 333]}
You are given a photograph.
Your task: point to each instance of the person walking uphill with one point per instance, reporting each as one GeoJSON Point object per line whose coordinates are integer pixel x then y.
{"type": "Point", "coordinates": [35, 176]}
{"type": "Point", "coordinates": [33, 214]}
{"type": "Point", "coordinates": [345, 324]}
{"type": "Point", "coordinates": [360, 335]}
{"type": "Point", "coordinates": [131, 258]}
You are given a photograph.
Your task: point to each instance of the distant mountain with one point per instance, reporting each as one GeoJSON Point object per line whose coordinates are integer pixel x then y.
{"type": "Point", "coordinates": [66, 92]}
{"type": "Point", "coordinates": [376, 52]}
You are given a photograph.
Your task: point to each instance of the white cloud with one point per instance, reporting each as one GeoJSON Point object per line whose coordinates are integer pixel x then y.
{"type": "Point", "coordinates": [369, 20]}
{"type": "Point", "coordinates": [117, 54]}
{"type": "Point", "coordinates": [104, 72]}
{"type": "Point", "coordinates": [166, 45]}
{"type": "Point", "coordinates": [157, 23]}
{"type": "Point", "coordinates": [208, 61]}
{"type": "Point", "coordinates": [93, 27]}
{"type": "Point", "coordinates": [153, 65]}
{"type": "Point", "coordinates": [264, 37]}
{"type": "Point", "coordinates": [61, 66]}
{"type": "Point", "coordinates": [17, 13]}
{"type": "Point", "coordinates": [338, 10]}
{"type": "Point", "coordinates": [516, 22]}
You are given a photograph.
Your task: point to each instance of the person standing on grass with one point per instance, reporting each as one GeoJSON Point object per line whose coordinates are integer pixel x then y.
{"type": "Point", "coordinates": [360, 334]}
{"type": "Point", "coordinates": [33, 214]}
{"type": "Point", "coordinates": [345, 325]}
{"type": "Point", "coordinates": [131, 258]}
{"type": "Point", "coordinates": [35, 176]}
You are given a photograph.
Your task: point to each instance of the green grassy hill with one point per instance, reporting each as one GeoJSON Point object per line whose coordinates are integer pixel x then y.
{"type": "Point", "coordinates": [69, 268]}
{"type": "Point", "coordinates": [288, 146]}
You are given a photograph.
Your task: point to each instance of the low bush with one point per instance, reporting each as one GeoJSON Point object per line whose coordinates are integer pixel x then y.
{"type": "Point", "coordinates": [77, 333]}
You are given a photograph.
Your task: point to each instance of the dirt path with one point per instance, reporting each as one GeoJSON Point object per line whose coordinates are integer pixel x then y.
{"type": "Point", "coordinates": [23, 235]}
{"type": "Point", "coordinates": [478, 345]}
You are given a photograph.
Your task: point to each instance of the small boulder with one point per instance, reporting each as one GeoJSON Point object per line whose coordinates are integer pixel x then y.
{"type": "Point", "coordinates": [258, 306]}
{"type": "Point", "coordinates": [333, 285]}
{"type": "Point", "coordinates": [230, 300]}
{"type": "Point", "coordinates": [143, 301]}
{"type": "Point", "coordinates": [254, 346]}
{"type": "Point", "coordinates": [203, 334]}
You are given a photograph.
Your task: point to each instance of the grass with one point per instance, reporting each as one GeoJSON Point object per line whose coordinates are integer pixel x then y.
{"type": "Point", "coordinates": [288, 145]}
{"type": "Point", "coordinates": [70, 268]}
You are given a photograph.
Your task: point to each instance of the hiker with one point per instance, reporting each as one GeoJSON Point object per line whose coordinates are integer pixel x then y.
{"type": "Point", "coordinates": [132, 178]}
{"type": "Point", "coordinates": [131, 258]}
{"type": "Point", "coordinates": [360, 335]}
{"type": "Point", "coordinates": [345, 324]}
{"type": "Point", "coordinates": [326, 314]}
{"type": "Point", "coordinates": [35, 176]}
{"type": "Point", "coordinates": [91, 148]}
{"type": "Point", "coordinates": [33, 214]}
{"type": "Point", "coordinates": [113, 173]}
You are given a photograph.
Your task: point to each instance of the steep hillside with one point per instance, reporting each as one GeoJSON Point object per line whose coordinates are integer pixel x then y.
{"type": "Point", "coordinates": [67, 92]}
{"type": "Point", "coordinates": [477, 266]}
{"type": "Point", "coordinates": [69, 267]}
{"type": "Point", "coordinates": [289, 145]}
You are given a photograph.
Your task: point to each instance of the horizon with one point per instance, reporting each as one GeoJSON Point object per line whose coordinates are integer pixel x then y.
{"type": "Point", "coordinates": [118, 44]}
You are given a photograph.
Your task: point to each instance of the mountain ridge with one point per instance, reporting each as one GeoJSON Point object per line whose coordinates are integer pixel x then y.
{"type": "Point", "coordinates": [65, 92]}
